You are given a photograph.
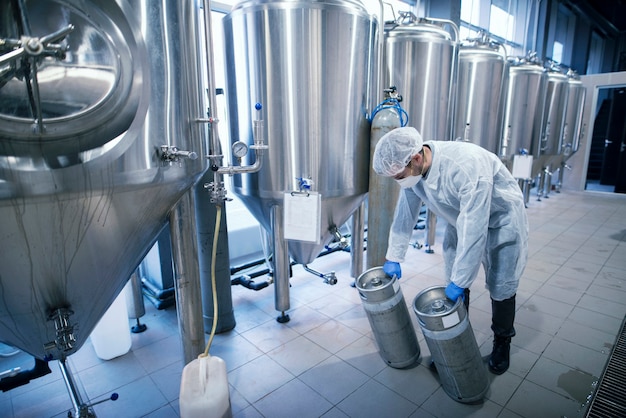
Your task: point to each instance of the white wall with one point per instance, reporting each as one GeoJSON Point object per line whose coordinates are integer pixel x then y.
{"type": "Point", "coordinates": [575, 178]}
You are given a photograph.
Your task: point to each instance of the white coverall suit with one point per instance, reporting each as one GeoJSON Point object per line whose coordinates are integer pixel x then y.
{"type": "Point", "coordinates": [481, 201]}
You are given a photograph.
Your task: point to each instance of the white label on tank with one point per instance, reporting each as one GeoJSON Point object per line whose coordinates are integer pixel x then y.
{"type": "Point", "coordinates": [302, 216]}
{"type": "Point", "coordinates": [450, 320]}
{"type": "Point", "coordinates": [396, 286]}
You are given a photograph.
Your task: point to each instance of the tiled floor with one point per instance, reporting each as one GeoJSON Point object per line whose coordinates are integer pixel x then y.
{"type": "Point", "coordinates": [324, 362]}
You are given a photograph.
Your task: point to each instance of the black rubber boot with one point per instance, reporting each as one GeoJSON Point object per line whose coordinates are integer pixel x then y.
{"type": "Point", "coordinates": [500, 356]}
{"type": "Point", "coordinates": [502, 319]}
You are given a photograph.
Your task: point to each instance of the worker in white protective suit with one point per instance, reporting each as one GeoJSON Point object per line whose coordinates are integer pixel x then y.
{"type": "Point", "coordinates": [483, 205]}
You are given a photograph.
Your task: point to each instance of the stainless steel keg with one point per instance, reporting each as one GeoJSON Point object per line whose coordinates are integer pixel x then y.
{"type": "Point", "coordinates": [452, 345]}
{"type": "Point", "coordinates": [389, 317]}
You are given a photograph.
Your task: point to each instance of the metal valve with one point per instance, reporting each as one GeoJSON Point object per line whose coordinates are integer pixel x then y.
{"type": "Point", "coordinates": [34, 46]}
{"type": "Point", "coordinates": [171, 154]}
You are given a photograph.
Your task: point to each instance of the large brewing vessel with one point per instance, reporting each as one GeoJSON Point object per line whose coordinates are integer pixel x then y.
{"type": "Point", "coordinates": [573, 127]}
{"type": "Point", "coordinates": [523, 109]}
{"type": "Point", "coordinates": [554, 114]}
{"type": "Point", "coordinates": [481, 79]}
{"type": "Point", "coordinates": [310, 65]}
{"type": "Point", "coordinates": [557, 90]}
{"type": "Point", "coordinates": [420, 61]}
{"type": "Point", "coordinates": [98, 102]}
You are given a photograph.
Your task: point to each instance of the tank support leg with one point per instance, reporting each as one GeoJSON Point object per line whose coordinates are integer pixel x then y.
{"type": "Point", "coordinates": [281, 264]}
{"type": "Point", "coordinates": [431, 230]}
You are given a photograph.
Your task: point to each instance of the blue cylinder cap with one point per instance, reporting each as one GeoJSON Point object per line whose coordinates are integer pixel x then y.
{"type": "Point", "coordinates": [258, 106]}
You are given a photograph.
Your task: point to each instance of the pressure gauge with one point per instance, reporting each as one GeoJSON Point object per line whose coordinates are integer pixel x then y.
{"type": "Point", "coordinates": [240, 149]}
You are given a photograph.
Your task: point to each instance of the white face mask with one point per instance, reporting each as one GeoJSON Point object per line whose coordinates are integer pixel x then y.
{"type": "Point", "coordinates": [409, 181]}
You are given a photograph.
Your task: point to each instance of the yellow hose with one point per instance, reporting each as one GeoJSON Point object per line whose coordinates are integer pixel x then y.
{"type": "Point", "coordinates": [218, 218]}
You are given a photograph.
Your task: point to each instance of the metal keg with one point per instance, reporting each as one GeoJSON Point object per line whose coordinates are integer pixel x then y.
{"type": "Point", "coordinates": [452, 345]}
{"type": "Point", "coordinates": [389, 317]}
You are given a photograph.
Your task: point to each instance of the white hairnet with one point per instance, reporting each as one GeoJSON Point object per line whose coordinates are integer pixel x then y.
{"type": "Point", "coordinates": [395, 149]}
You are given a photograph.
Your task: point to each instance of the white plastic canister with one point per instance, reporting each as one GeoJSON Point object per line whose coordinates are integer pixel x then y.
{"type": "Point", "coordinates": [204, 389]}
{"type": "Point", "coordinates": [111, 336]}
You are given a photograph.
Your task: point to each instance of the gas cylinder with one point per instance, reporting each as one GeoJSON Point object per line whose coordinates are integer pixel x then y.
{"type": "Point", "coordinates": [450, 338]}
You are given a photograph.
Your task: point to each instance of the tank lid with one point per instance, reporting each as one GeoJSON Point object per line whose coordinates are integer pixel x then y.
{"type": "Point", "coordinates": [408, 23]}
{"type": "Point", "coordinates": [482, 43]}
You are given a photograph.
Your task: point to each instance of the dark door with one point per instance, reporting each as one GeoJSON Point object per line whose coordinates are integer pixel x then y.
{"type": "Point", "coordinates": [614, 137]}
{"type": "Point", "coordinates": [620, 179]}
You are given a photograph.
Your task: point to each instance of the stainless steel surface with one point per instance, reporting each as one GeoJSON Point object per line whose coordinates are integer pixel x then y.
{"type": "Point", "coordinates": [389, 317]}
{"type": "Point", "coordinates": [187, 277]}
{"type": "Point", "coordinates": [523, 110]}
{"type": "Point", "coordinates": [557, 90]}
{"type": "Point", "coordinates": [310, 64]}
{"type": "Point", "coordinates": [480, 89]}
{"type": "Point", "coordinates": [420, 60]}
{"type": "Point", "coordinates": [573, 129]}
{"type": "Point", "coordinates": [573, 117]}
{"type": "Point", "coordinates": [84, 191]}
{"type": "Point", "coordinates": [280, 257]}
{"type": "Point", "coordinates": [450, 339]}
{"type": "Point", "coordinates": [357, 242]}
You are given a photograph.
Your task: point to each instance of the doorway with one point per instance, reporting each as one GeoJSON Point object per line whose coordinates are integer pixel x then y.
{"type": "Point", "coordinates": [606, 170]}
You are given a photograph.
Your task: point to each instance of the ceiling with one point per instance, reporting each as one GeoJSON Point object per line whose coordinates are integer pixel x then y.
{"type": "Point", "coordinates": [613, 12]}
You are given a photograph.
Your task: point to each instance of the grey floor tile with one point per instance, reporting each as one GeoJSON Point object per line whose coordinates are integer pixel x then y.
{"type": "Point", "coordinates": [442, 406]}
{"type": "Point", "coordinates": [375, 400]}
{"type": "Point", "coordinates": [576, 356]}
{"type": "Point", "coordinates": [586, 336]}
{"type": "Point", "coordinates": [564, 380]}
{"type": "Point", "coordinates": [298, 355]}
{"type": "Point", "coordinates": [334, 379]}
{"type": "Point", "coordinates": [531, 400]}
{"type": "Point", "coordinates": [416, 384]}
{"type": "Point", "coordinates": [364, 355]}
{"type": "Point", "coordinates": [295, 399]}
{"type": "Point", "coordinates": [138, 398]}
{"type": "Point", "coordinates": [258, 378]}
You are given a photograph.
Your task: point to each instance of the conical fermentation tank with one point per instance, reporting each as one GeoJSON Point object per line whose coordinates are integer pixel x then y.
{"type": "Point", "coordinates": [310, 65]}
{"type": "Point", "coordinates": [554, 115]}
{"type": "Point", "coordinates": [420, 61]}
{"type": "Point", "coordinates": [97, 145]}
{"type": "Point", "coordinates": [481, 80]}
{"type": "Point", "coordinates": [573, 129]}
{"type": "Point", "coordinates": [523, 109]}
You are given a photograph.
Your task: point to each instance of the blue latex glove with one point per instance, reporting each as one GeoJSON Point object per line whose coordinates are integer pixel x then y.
{"type": "Point", "coordinates": [391, 268]}
{"type": "Point", "coordinates": [454, 292]}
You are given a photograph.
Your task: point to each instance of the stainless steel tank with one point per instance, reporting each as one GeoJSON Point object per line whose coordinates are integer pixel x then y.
{"type": "Point", "coordinates": [389, 317]}
{"type": "Point", "coordinates": [420, 60]}
{"type": "Point", "coordinates": [310, 64]}
{"type": "Point", "coordinates": [553, 128]}
{"type": "Point", "coordinates": [480, 88]}
{"type": "Point", "coordinates": [97, 140]}
{"type": "Point", "coordinates": [573, 128]}
{"type": "Point", "coordinates": [557, 90]}
{"type": "Point", "coordinates": [452, 345]}
{"type": "Point", "coordinates": [523, 109]}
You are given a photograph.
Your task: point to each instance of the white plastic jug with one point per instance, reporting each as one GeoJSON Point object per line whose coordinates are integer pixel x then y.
{"type": "Point", "coordinates": [204, 389]}
{"type": "Point", "coordinates": [111, 336]}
